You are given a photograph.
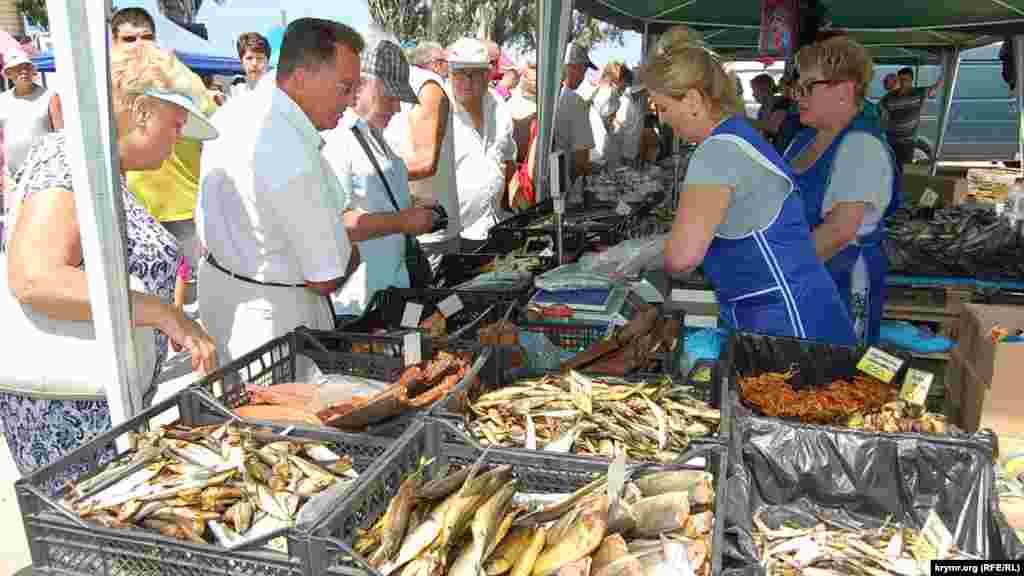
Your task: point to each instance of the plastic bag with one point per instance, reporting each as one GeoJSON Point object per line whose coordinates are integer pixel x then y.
{"type": "Point", "coordinates": [337, 388]}
{"type": "Point", "coordinates": [910, 337]}
{"type": "Point", "coordinates": [628, 258]}
{"type": "Point", "coordinates": [862, 477]}
{"type": "Point", "coordinates": [573, 277]}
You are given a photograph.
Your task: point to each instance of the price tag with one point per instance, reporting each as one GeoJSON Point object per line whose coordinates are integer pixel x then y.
{"type": "Point", "coordinates": [879, 364]}
{"type": "Point", "coordinates": [582, 389]}
{"type": "Point", "coordinates": [623, 209]}
{"type": "Point", "coordinates": [916, 385]}
{"type": "Point", "coordinates": [928, 198]}
{"type": "Point", "coordinates": [937, 535]}
{"type": "Point", "coordinates": [695, 296]}
{"type": "Point", "coordinates": [412, 314]}
{"type": "Point", "coordinates": [450, 305]}
{"type": "Point", "coordinates": [412, 349]}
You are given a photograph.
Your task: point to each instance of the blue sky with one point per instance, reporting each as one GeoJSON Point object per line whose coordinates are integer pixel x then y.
{"type": "Point", "coordinates": [226, 22]}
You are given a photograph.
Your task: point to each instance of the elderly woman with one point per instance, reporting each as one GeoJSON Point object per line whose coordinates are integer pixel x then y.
{"type": "Point", "coordinates": [846, 174]}
{"type": "Point", "coordinates": [739, 215]}
{"type": "Point", "coordinates": [46, 415]}
{"type": "Point", "coordinates": [603, 109]}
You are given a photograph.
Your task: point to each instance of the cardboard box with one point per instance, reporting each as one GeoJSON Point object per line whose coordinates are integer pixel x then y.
{"type": "Point", "coordinates": [951, 191]}
{"type": "Point", "coordinates": [986, 376]}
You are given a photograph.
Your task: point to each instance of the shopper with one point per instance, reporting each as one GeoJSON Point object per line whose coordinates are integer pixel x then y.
{"type": "Point", "coordinates": [422, 134]}
{"type": "Point", "coordinates": [268, 211]}
{"type": "Point", "coordinates": [254, 51]}
{"type": "Point", "coordinates": [901, 114]}
{"type": "Point", "coordinates": [604, 106]}
{"type": "Point", "coordinates": [168, 190]}
{"type": "Point", "coordinates": [485, 152]}
{"type": "Point", "coordinates": [48, 408]}
{"type": "Point", "coordinates": [573, 134]}
{"type": "Point", "coordinates": [379, 214]}
{"type": "Point", "coordinates": [739, 215]}
{"type": "Point", "coordinates": [847, 175]}
{"type": "Point", "coordinates": [27, 111]}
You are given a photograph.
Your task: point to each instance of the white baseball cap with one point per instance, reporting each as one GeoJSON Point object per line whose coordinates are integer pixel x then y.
{"type": "Point", "coordinates": [468, 53]}
{"type": "Point", "coordinates": [14, 58]}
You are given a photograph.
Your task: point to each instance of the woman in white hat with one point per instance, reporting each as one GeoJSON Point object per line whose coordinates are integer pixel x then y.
{"type": "Point", "coordinates": [49, 408]}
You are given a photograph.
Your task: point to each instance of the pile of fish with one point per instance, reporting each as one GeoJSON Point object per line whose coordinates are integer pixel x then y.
{"type": "Point", "coordinates": [954, 242]}
{"type": "Point", "coordinates": [230, 484]}
{"type": "Point", "coordinates": [468, 524]}
{"type": "Point", "coordinates": [832, 550]}
{"type": "Point", "coordinates": [599, 416]}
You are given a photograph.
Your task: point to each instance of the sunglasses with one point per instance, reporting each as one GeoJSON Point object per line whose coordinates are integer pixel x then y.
{"type": "Point", "coordinates": [132, 38]}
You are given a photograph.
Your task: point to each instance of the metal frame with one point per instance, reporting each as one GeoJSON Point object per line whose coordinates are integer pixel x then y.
{"type": "Point", "coordinates": [1018, 64]}
{"type": "Point", "coordinates": [950, 75]}
{"type": "Point", "coordinates": [80, 38]}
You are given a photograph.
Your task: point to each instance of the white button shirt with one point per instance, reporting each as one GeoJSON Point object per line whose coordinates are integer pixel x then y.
{"type": "Point", "coordinates": [268, 210]}
{"type": "Point", "coordinates": [382, 259]}
{"type": "Point", "coordinates": [480, 165]}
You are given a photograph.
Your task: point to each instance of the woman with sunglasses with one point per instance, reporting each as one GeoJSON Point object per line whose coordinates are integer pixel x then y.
{"type": "Point", "coordinates": [739, 216]}
{"type": "Point", "coordinates": [847, 175]}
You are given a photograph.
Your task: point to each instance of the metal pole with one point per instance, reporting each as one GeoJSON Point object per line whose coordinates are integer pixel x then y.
{"type": "Point", "coordinates": [1018, 64]}
{"type": "Point", "coordinates": [80, 45]}
{"type": "Point", "coordinates": [950, 71]}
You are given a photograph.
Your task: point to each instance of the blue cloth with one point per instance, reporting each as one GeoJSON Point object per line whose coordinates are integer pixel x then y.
{"type": "Point", "coordinates": [865, 308]}
{"type": "Point", "coordinates": [910, 337]}
{"type": "Point", "coordinates": [771, 281]}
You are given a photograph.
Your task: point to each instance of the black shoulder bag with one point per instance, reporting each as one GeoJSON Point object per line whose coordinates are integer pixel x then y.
{"type": "Point", "coordinates": [420, 275]}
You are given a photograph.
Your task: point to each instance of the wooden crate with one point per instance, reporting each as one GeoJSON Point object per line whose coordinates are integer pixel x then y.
{"type": "Point", "coordinates": [938, 305]}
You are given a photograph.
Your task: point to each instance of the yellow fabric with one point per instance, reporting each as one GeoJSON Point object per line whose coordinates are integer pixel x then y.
{"type": "Point", "coordinates": [169, 192]}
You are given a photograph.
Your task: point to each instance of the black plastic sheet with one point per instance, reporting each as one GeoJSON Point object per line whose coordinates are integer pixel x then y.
{"type": "Point", "coordinates": [792, 472]}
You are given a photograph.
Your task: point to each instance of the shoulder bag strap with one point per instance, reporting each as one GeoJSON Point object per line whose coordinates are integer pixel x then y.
{"type": "Point", "coordinates": [373, 159]}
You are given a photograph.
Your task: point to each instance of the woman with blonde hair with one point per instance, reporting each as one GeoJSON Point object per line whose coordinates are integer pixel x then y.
{"type": "Point", "coordinates": [846, 173]}
{"type": "Point", "coordinates": [48, 409]}
{"type": "Point", "coordinates": [739, 216]}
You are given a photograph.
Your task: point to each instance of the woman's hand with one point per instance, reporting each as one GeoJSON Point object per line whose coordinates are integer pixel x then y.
{"type": "Point", "coordinates": [186, 334]}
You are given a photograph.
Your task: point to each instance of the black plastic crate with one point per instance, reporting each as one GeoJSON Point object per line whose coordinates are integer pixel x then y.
{"type": "Point", "coordinates": [331, 543]}
{"type": "Point", "coordinates": [478, 309]}
{"type": "Point", "coordinates": [453, 409]}
{"type": "Point", "coordinates": [815, 364]}
{"type": "Point", "coordinates": [63, 544]}
{"type": "Point", "coordinates": [580, 230]}
{"type": "Point", "coordinates": [333, 352]}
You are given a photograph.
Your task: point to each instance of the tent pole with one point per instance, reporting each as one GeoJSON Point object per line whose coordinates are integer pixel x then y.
{"type": "Point", "coordinates": [950, 72]}
{"type": "Point", "coordinates": [80, 40]}
{"type": "Point", "coordinates": [1018, 64]}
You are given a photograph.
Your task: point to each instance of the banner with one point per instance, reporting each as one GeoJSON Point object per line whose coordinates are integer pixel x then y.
{"type": "Point", "coordinates": [779, 28]}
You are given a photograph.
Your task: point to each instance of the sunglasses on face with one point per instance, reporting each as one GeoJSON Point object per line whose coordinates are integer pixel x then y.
{"type": "Point", "coordinates": [132, 38]}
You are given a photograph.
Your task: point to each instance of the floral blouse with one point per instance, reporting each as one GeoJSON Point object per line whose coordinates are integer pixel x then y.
{"type": "Point", "coordinates": [153, 253]}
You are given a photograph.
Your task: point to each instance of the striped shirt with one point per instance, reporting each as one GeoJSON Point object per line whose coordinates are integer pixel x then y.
{"type": "Point", "coordinates": [903, 113]}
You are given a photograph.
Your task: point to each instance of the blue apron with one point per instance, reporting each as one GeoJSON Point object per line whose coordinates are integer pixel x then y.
{"type": "Point", "coordinates": [770, 281]}
{"type": "Point", "coordinates": [863, 262]}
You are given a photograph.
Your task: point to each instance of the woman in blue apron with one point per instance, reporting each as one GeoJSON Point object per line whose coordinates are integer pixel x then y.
{"type": "Point", "coordinates": [846, 174]}
{"type": "Point", "coordinates": [739, 216]}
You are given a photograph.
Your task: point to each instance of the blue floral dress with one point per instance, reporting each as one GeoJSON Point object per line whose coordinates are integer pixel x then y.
{"type": "Point", "coordinates": [42, 431]}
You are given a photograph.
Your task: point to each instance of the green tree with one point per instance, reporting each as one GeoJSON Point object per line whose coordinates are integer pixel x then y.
{"type": "Point", "coordinates": [35, 12]}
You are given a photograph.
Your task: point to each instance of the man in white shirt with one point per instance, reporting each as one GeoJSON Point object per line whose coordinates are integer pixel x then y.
{"type": "Point", "coordinates": [378, 208]}
{"type": "Point", "coordinates": [485, 150]}
{"type": "Point", "coordinates": [573, 133]}
{"type": "Point", "coordinates": [422, 135]}
{"type": "Point", "coordinates": [628, 123]}
{"type": "Point", "coordinates": [269, 212]}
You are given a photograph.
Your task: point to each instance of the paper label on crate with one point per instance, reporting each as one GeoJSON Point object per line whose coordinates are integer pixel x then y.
{"type": "Point", "coordinates": [412, 314]}
{"type": "Point", "coordinates": [623, 209]}
{"type": "Point", "coordinates": [916, 385]}
{"type": "Point", "coordinates": [879, 364]}
{"type": "Point", "coordinates": [582, 389]}
{"type": "Point", "coordinates": [412, 349]}
{"type": "Point", "coordinates": [450, 306]}
{"type": "Point", "coordinates": [928, 198]}
{"type": "Point", "coordinates": [694, 296]}
{"type": "Point", "coordinates": [937, 535]}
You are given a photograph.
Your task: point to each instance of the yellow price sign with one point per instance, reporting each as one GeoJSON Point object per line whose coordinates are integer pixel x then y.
{"type": "Point", "coordinates": [879, 364]}
{"type": "Point", "coordinates": [916, 385]}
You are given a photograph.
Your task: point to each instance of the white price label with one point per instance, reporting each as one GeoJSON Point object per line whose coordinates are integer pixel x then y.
{"type": "Point", "coordinates": [698, 321]}
{"type": "Point", "coordinates": [450, 305]}
{"type": "Point", "coordinates": [879, 364]}
{"type": "Point", "coordinates": [916, 385]}
{"type": "Point", "coordinates": [694, 296]}
{"type": "Point", "coordinates": [582, 390]}
{"type": "Point", "coordinates": [937, 535]}
{"type": "Point", "coordinates": [623, 209]}
{"type": "Point", "coordinates": [412, 314]}
{"type": "Point", "coordinates": [412, 348]}
{"type": "Point", "coordinates": [928, 198]}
